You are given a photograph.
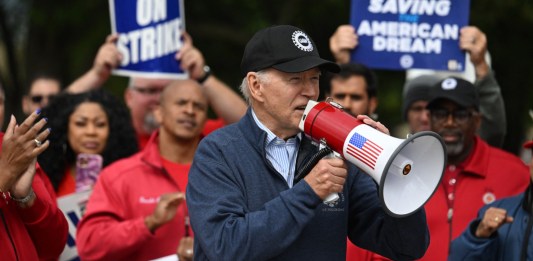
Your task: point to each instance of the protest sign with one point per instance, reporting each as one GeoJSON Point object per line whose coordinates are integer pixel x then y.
{"type": "Point", "coordinates": [73, 207]}
{"type": "Point", "coordinates": [149, 37]}
{"type": "Point", "coordinates": [404, 34]}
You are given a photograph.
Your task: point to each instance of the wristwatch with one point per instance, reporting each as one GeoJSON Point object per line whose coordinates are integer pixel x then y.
{"type": "Point", "coordinates": [207, 73]}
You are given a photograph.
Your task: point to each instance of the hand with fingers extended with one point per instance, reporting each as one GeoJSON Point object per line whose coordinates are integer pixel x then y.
{"type": "Point", "coordinates": [328, 176]}
{"type": "Point", "coordinates": [493, 219]}
{"type": "Point", "coordinates": [20, 148]}
{"type": "Point", "coordinates": [164, 211]}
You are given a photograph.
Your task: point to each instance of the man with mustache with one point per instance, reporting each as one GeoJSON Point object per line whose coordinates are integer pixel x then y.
{"type": "Point", "coordinates": [137, 209]}
{"type": "Point", "coordinates": [502, 230]}
{"type": "Point", "coordinates": [476, 173]}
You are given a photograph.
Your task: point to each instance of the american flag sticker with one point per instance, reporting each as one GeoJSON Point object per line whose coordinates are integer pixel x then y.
{"type": "Point", "coordinates": [364, 150]}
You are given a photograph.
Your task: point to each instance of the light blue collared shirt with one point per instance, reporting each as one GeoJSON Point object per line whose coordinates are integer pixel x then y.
{"type": "Point", "coordinates": [281, 154]}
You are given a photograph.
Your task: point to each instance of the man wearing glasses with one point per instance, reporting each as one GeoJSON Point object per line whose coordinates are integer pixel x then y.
{"type": "Point", "coordinates": [142, 94]}
{"type": "Point", "coordinates": [476, 173]}
{"type": "Point", "coordinates": [42, 89]}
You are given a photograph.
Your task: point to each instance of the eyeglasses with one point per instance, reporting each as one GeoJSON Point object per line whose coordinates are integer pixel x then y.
{"type": "Point", "coordinates": [460, 116]}
{"type": "Point", "coordinates": [39, 98]}
{"type": "Point", "coordinates": [148, 91]}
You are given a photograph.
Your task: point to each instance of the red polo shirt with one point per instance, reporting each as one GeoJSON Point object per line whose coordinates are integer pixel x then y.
{"type": "Point", "coordinates": [486, 175]}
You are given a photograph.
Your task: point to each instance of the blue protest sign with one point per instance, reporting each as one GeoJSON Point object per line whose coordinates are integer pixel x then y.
{"type": "Point", "coordinates": [72, 206]}
{"type": "Point", "coordinates": [404, 34]}
{"type": "Point", "coordinates": [149, 37]}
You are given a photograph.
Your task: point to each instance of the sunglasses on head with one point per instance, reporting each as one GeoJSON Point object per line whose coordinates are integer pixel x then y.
{"type": "Point", "coordinates": [39, 98]}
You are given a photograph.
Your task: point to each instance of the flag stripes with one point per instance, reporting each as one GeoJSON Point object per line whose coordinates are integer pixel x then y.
{"type": "Point", "coordinates": [364, 150]}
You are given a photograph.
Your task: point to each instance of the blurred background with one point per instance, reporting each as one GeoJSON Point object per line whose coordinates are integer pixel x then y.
{"type": "Point", "coordinates": [61, 37]}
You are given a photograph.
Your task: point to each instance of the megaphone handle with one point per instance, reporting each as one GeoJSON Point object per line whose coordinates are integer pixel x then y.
{"type": "Point", "coordinates": [331, 198]}
{"type": "Point", "coordinates": [323, 152]}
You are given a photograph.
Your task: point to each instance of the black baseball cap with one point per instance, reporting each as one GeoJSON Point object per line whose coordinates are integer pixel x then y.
{"type": "Point", "coordinates": [417, 89]}
{"type": "Point", "coordinates": [456, 90]}
{"type": "Point", "coordinates": [285, 48]}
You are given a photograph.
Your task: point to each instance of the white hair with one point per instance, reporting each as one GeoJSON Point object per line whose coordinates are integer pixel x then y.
{"type": "Point", "coordinates": [262, 76]}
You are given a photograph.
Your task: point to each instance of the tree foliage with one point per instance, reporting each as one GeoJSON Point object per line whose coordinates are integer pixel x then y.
{"type": "Point", "coordinates": [64, 36]}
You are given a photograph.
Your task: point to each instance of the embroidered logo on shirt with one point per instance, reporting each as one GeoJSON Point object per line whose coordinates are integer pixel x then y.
{"type": "Point", "coordinates": [148, 200]}
{"type": "Point", "coordinates": [489, 197]}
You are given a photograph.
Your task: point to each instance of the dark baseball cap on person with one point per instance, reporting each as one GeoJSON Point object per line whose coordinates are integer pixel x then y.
{"type": "Point", "coordinates": [417, 89]}
{"type": "Point", "coordinates": [285, 48]}
{"type": "Point", "coordinates": [455, 89]}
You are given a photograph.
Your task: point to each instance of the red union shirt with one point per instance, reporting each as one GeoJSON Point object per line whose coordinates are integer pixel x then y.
{"type": "Point", "coordinates": [486, 175]}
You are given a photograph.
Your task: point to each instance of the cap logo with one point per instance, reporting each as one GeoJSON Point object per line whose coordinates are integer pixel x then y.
{"type": "Point", "coordinates": [449, 84]}
{"type": "Point", "coordinates": [301, 40]}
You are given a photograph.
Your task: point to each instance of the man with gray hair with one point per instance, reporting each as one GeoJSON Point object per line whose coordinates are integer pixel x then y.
{"type": "Point", "coordinates": [246, 197]}
{"type": "Point", "coordinates": [476, 173]}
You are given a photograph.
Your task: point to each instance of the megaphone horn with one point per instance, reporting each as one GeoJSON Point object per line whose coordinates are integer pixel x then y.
{"type": "Point", "coordinates": [407, 171]}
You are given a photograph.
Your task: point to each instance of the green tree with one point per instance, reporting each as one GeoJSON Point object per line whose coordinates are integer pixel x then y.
{"type": "Point", "coordinates": [63, 37]}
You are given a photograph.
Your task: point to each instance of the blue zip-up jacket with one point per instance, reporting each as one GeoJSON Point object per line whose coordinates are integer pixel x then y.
{"type": "Point", "coordinates": [241, 208]}
{"type": "Point", "coordinates": [504, 244]}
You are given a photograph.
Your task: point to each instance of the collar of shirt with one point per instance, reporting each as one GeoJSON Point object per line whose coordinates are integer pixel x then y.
{"type": "Point", "coordinates": [281, 154]}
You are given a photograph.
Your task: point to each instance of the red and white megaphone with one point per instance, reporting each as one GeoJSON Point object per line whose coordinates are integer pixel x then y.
{"type": "Point", "coordinates": [407, 171]}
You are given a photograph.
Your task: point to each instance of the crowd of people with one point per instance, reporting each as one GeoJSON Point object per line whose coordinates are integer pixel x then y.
{"type": "Point", "coordinates": [175, 182]}
{"type": "Point", "coordinates": [474, 163]}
